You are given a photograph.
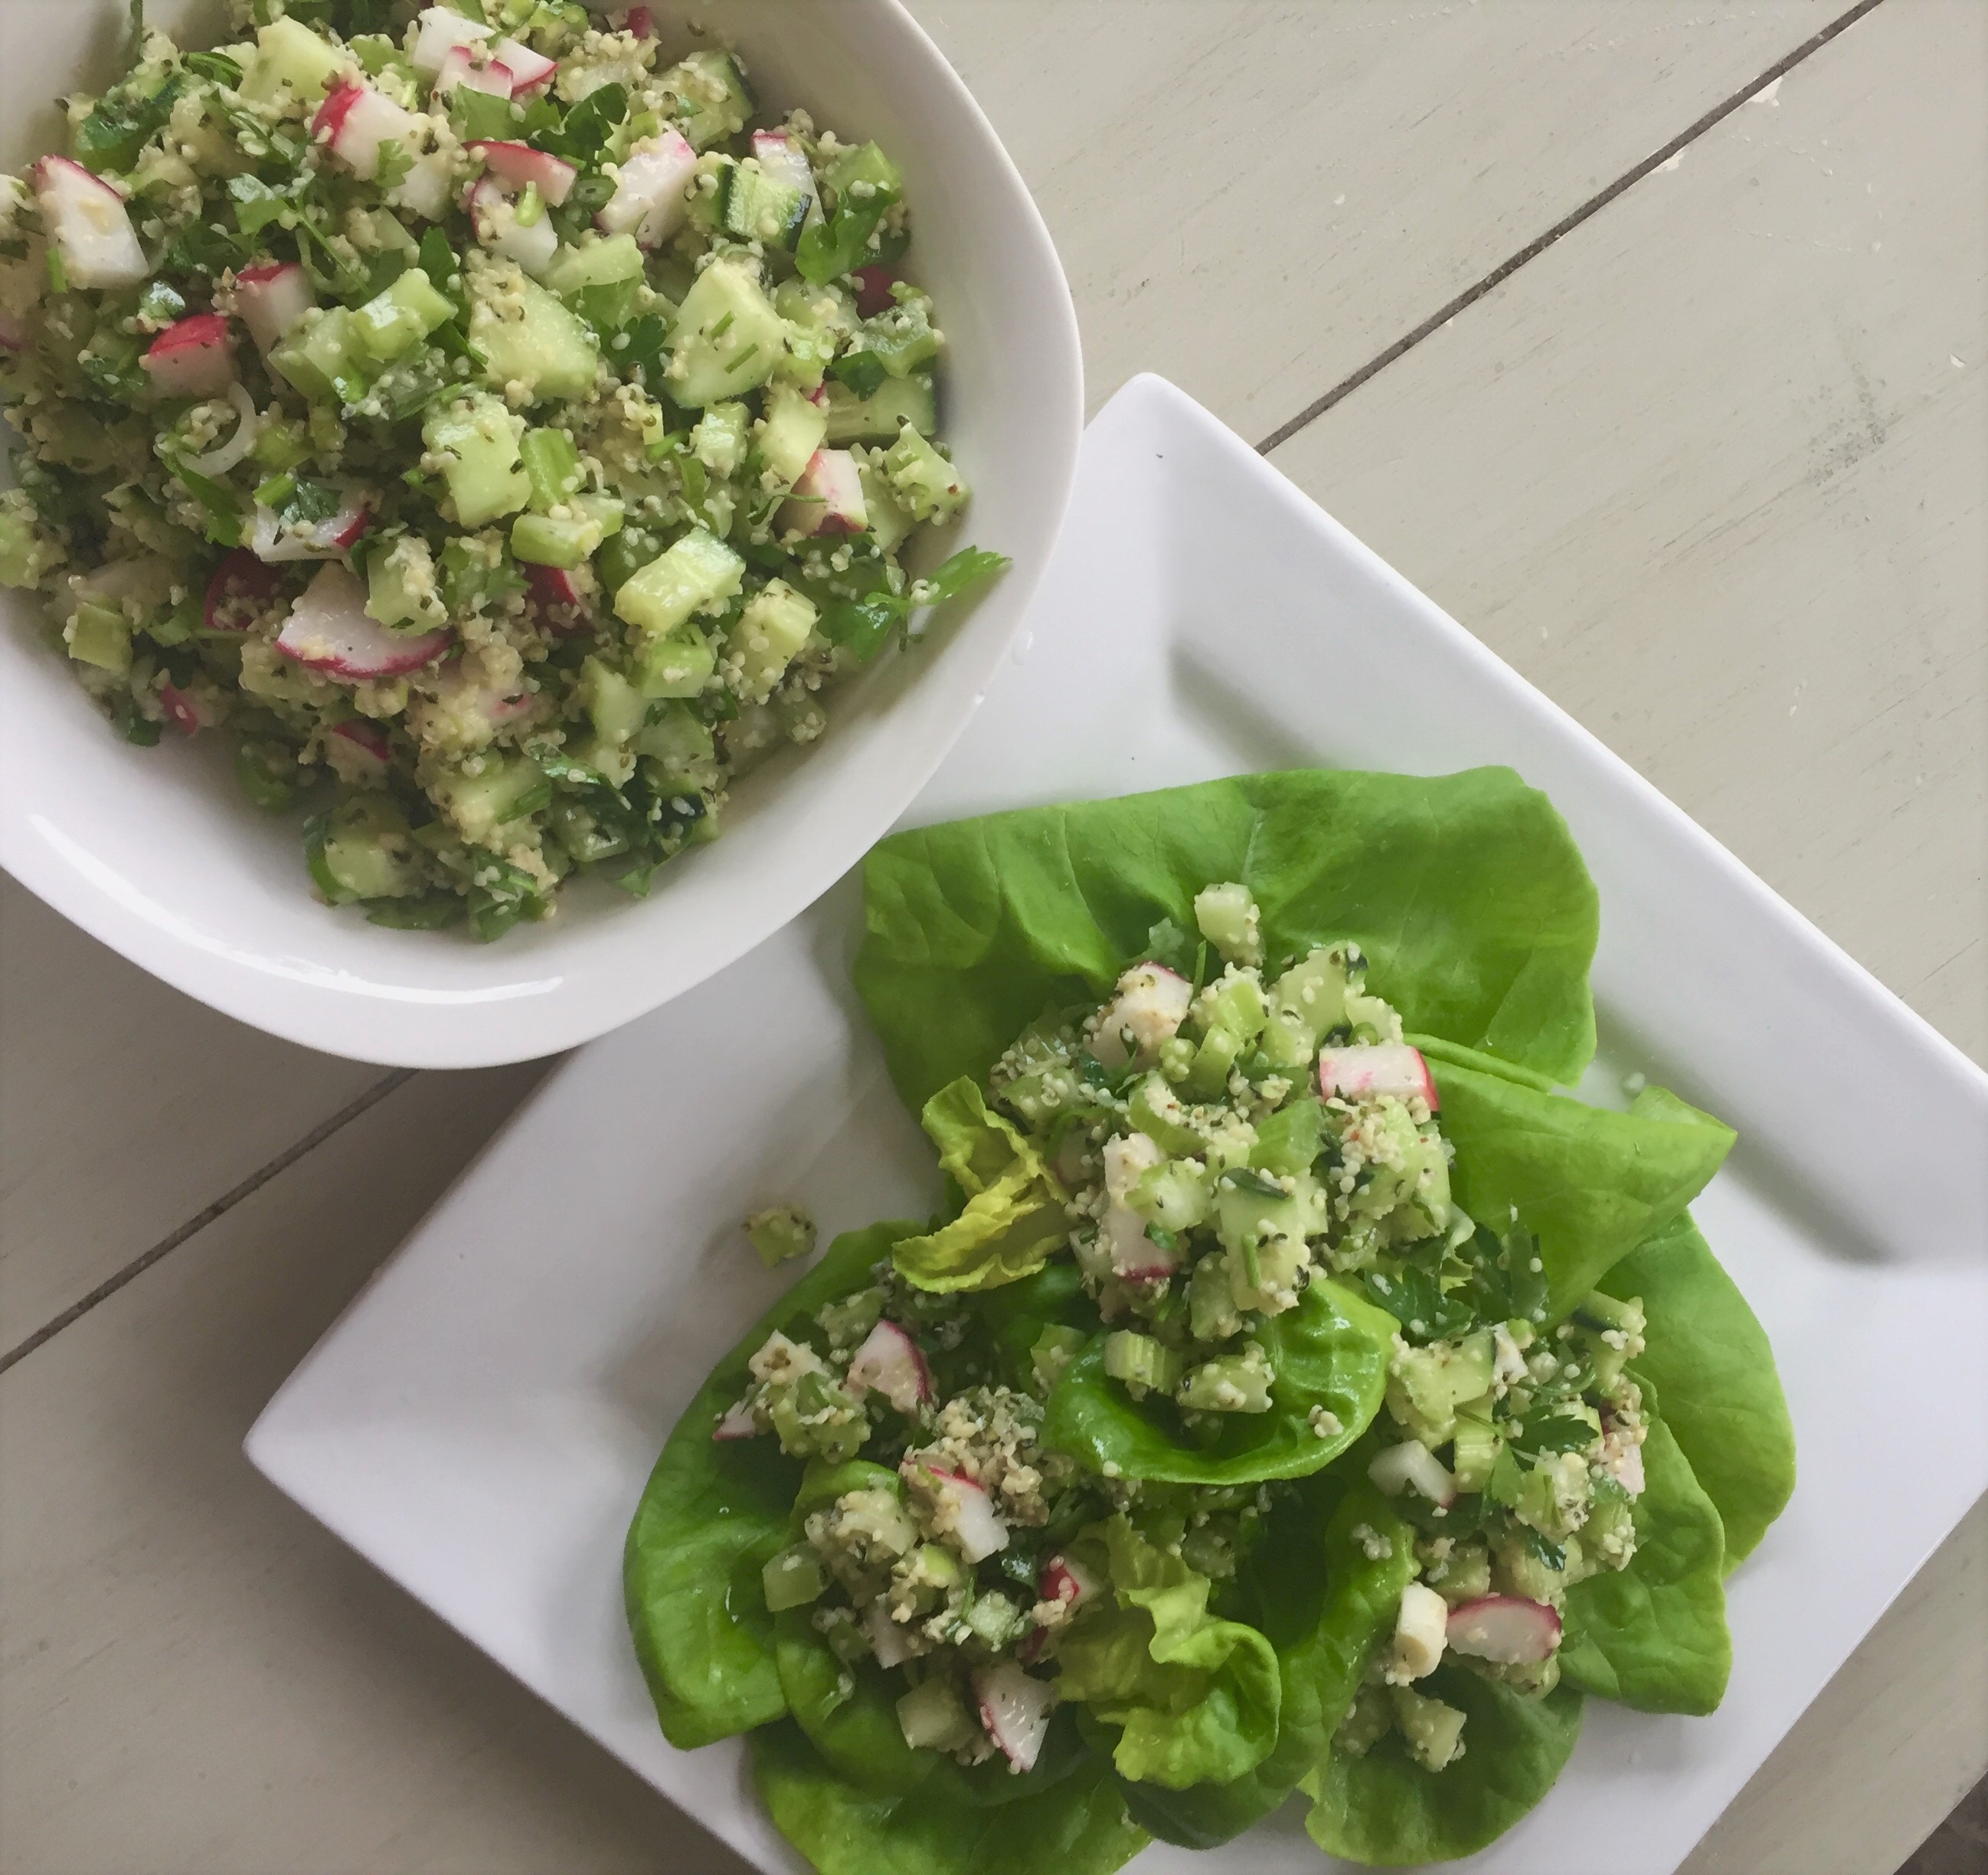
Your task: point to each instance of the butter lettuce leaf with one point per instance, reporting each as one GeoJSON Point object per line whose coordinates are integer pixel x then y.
{"type": "Point", "coordinates": [1077, 1825]}
{"type": "Point", "coordinates": [710, 1517]}
{"type": "Point", "coordinates": [1384, 1809]}
{"type": "Point", "coordinates": [1466, 891]}
{"type": "Point", "coordinates": [1331, 1351]}
{"type": "Point", "coordinates": [1324, 1603]}
{"type": "Point", "coordinates": [1653, 1635]}
{"type": "Point", "coordinates": [1194, 1697]}
{"type": "Point", "coordinates": [1013, 1217]}
{"type": "Point", "coordinates": [1590, 1184]}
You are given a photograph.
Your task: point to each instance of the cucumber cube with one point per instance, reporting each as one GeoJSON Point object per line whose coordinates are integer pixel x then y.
{"type": "Point", "coordinates": [401, 586]}
{"type": "Point", "coordinates": [613, 705]}
{"type": "Point", "coordinates": [540, 541]}
{"type": "Point", "coordinates": [864, 173]}
{"type": "Point", "coordinates": [290, 57]}
{"type": "Point", "coordinates": [769, 635]}
{"type": "Point", "coordinates": [527, 336]}
{"type": "Point", "coordinates": [397, 320]}
{"type": "Point", "coordinates": [695, 575]}
{"type": "Point", "coordinates": [727, 337]}
{"type": "Point", "coordinates": [478, 439]}
{"type": "Point", "coordinates": [718, 441]}
{"type": "Point", "coordinates": [678, 665]}
{"type": "Point", "coordinates": [793, 1578]}
{"type": "Point", "coordinates": [709, 98]}
{"type": "Point", "coordinates": [684, 751]}
{"type": "Point", "coordinates": [879, 417]}
{"type": "Point", "coordinates": [1141, 1364]}
{"type": "Point", "coordinates": [501, 791]}
{"type": "Point", "coordinates": [890, 520]}
{"type": "Point", "coordinates": [24, 556]}
{"type": "Point", "coordinates": [925, 482]}
{"type": "Point", "coordinates": [101, 635]}
{"type": "Point", "coordinates": [789, 433]}
{"type": "Point", "coordinates": [1230, 1383]}
{"type": "Point", "coordinates": [361, 850]}
{"type": "Point", "coordinates": [552, 463]}
{"type": "Point", "coordinates": [594, 262]}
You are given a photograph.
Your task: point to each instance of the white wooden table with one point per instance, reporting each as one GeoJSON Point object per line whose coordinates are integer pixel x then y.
{"type": "Point", "coordinates": [1651, 336]}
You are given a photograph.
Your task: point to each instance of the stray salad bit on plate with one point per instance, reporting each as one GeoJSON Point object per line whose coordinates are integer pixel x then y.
{"type": "Point", "coordinates": [497, 425]}
{"type": "Point", "coordinates": [1294, 1394]}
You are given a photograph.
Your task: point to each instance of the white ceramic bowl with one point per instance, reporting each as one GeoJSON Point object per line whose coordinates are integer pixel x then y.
{"type": "Point", "coordinates": [155, 851]}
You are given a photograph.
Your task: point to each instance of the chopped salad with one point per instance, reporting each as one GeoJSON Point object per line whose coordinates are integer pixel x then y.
{"type": "Point", "coordinates": [497, 424]}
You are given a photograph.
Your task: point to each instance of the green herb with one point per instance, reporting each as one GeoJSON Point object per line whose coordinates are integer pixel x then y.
{"type": "Point", "coordinates": [217, 66]}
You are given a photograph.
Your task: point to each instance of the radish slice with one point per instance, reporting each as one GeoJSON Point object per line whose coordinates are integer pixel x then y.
{"type": "Point", "coordinates": [495, 218]}
{"type": "Point", "coordinates": [192, 358]}
{"type": "Point", "coordinates": [737, 1423]}
{"type": "Point", "coordinates": [887, 1639]}
{"type": "Point", "coordinates": [889, 1361]}
{"type": "Point", "coordinates": [873, 290]}
{"type": "Point", "coordinates": [962, 1508]}
{"type": "Point", "coordinates": [1504, 1628]}
{"type": "Point", "coordinates": [1151, 1004]}
{"type": "Point", "coordinates": [469, 71]}
{"type": "Point", "coordinates": [356, 119]}
{"type": "Point", "coordinates": [649, 201]}
{"type": "Point", "coordinates": [271, 299]}
{"type": "Point", "coordinates": [87, 218]}
{"type": "Point", "coordinates": [530, 71]}
{"type": "Point", "coordinates": [1412, 1464]}
{"type": "Point", "coordinates": [828, 498]}
{"type": "Point", "coordinates": [13, 333]}
{"type": "Point", "coordinates": [328, 630]}
{"type": "Point", "coordinates": [1363, 1071]}
{"type": "Point", "coordinates": [330, 538]}
{"type": "Point", "coordinates": [786, 163]}
{"type": "Point", "coordinates": [1062, 1579]}
{"type": "Point", "coordinates": [520, 164]}
{"type": "Point", "coordinates": [1014, 1710]}
{"type": "Point", "coordinates": [641, 22]}
{"type": "Point", "coordinates": [442, 31]}
{"type": "Point", "coordinates": [561, 608]}
{"type": "Point", "coordinates": [242, 587]}
{"type": "Point", "coordinates": [180, 709]}
{"type": "Point", "coordinates": [367, 740]}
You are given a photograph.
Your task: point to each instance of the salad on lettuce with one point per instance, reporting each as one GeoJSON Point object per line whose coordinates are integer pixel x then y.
{"type": "Point", "coordinates": [497, 425]}
{"type": "Point", "coordinates": [1294, 1396]}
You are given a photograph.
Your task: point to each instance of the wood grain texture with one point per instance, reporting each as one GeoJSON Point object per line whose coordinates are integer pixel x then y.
{"type": "Point", "coordinates": [1713, 473]}
{"type": "Point", "coordinates": [1255, 197]}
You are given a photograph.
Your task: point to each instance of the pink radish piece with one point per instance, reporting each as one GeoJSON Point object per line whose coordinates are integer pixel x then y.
{"type": "Point", "coordinates": [1361, 1072]}
{"type": "Point", "coordinates": [1014, 1710]}
{"type": "Point", "coordinates": [495, 218]}
{"type": "Point", "coordinates": [464, 70]}
{"type": "Point", "coordinates": [1135, 1258]}
{"type": "Point", "coordinates": [325, 541]}
{"type": "Point", "coordinates": [828, 498]}
{"type": "Point", "coordinates": [889, 1361]}
{"type": "Point", "coordinates": [240, 587]}
{"type": "Point", "coordinates": [961, 1502]}
{"type": "Point", "coordinates": [363, 748]}
{"type": "Point", "coordinates": [873, 290]}
{"type": "Point", "coordinates": [355, 120]}
{"type": "Point", "coordinates": [192, 357]}
{"type": "Point", "coordinates": [1411, 1465]}
{"type": "Point", "coordinates": [530, 71]}
{"type": "Point", "coordinates": [641, 22]}
{"type": "Point", "coordinates": [271, 299]}
{"type": "Point", "coordinates": [648, 201]}
{"type": "Point", "coordinates": [520, 164]}
{"type": "Point", "coordinates": [737, 1423]}
{"type": "Point", "coordinates": [1151, 1003]}
{"type": "Point", "coordinates": [13, 333]}
{"type": "Point", "coordinates": [561, 608]}
{"type": "Point", "coordinates": [1504, 1628]}
{"type": "Point", "coordinates": [1061, 1579]}
{"type": "Point", "coordinates": [784, 159]}
{"type": "Point", "coordinates": [86, 219]}
{"type": "Point", "coordinates": [328, 630]}
{"type": "Point", "coordinates": [181, 710]}
{"type": "Point", "coordinates": [441, 33]}
{"type": "Point", "coordinates": [888, 1640]}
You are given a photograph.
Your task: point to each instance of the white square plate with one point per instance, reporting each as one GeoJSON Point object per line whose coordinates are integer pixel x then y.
{"type": "Point", "coordinates": [155, 852]}
{"type": "Point", "coordinates": [480, 1422]}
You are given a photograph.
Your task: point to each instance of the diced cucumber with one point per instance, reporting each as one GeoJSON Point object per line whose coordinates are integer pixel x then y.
{"type": "Point", "coordinates": [361, 850]}
{"type": "Point", "coordinates": [1228, 917]}
{"type": "Point", "coordinates": [889, 520]}
{"type": "Point", "coordinates": [401, 585]}
{"type": "Point", "coordinates": [793, 1578]}
{"type": "Point", "coordinates": [903, 339]}
{"type": "Point", "coordinates": [1426, 1386]}
{"type": "Point", "coordinates": [770, 632]}
{"type": "Point", "coordinates": [1212, 1310]}
{"type": "Point", "coordinates": [789, 433]}
{"type": "Point", "coordinates": [99, 635]}
{"type": "Point", "coordinates": [1176, 1196]}
{"type": "Point", "coordinates": [864, 174]}
{"type": "Point", "coordinates": [614, 705]}
{"type": "Point", "coordinates": [25, 557]}
{"type": "Point", "coordinates": [933, 1717]}
{"type": "Point", "coordinates": [819, 320]}
{"type": "Point", "coordinates": [1239, 1382]}
{"type": "Point", "coordinates": [1155, 1110]}
{"type": "Point", "coordinates": [753, 206]}
{"type": "Point", "coordinates": [504, 790]}
{"type": "Point", "coordinates": [281, 445]}
{"type": "Point", "coordinates": [1288, 1141]}
{"type": "Point", "coordinates": [718, 440]}
{"type": "Point", "coordinates": [326, 359]}
{"type": "Point", "coordinates": [624, 555]}
{"type": "Point", "coordinates": [1307, 1004]}
{"type": "Point", "coordinates": [1478, 1445]}
{"type": "Point", "coordinates": [552, 464]}
{"type": "Point", "coordinates": [879, 417]}
{"type": "Point", "coordinates": [478, 439]}
{"type": "Point", "coordinates": [1055, 1348]}
{"type": "Point", "coordinates": [1141, 1364]}
{"type": "Point", "coordinates": [397, 320]}
{"type": "Point", "coordinates": [696, 574]}
{"type": "Point", "coordinates": [709, 98]}
{"type": "Point", "coordinates": [926, 482]}
{"type": "Point", "coordinates": [527, 336]}
{"type": "Point", "coordinates": [678, 663]}
{"type": "Point", "coordinates": [290, 57]}
{"type": "Point", "coordinates": [685, 753]}
{"type": "Point", "coordinates": [995, 1618]}
{"type": "Point", "coordinates": [1432, 1732]}
{"type": "Point", "coordinates": [540, 541]}
{"type": "Point", "coordinates": [727, 337]}
{"type": "Point", "coordinates": [594, 260]}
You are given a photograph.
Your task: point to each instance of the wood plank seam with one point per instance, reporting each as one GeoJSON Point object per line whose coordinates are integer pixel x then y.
{"type": "Point", "coordinates": [1590, 208]}
{"type": "Point", "coordinates": [201, 1219]}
